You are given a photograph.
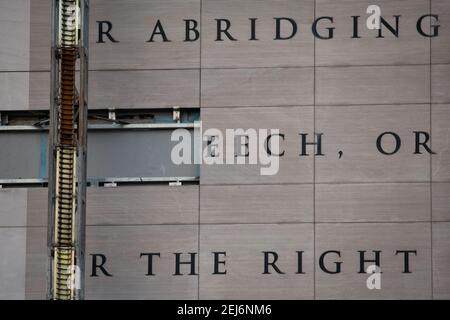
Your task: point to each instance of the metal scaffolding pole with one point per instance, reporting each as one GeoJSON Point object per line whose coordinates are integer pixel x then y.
{"type": "Point", "coordinates": [67, 149]}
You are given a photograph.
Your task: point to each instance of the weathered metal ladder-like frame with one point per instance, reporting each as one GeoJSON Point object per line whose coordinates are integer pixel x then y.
{"type": "Point", "coordinates": [67, 149]}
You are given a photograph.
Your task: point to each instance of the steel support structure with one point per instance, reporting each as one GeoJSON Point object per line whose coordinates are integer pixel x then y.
{"type": "Point", "coordinates": [67, 149]}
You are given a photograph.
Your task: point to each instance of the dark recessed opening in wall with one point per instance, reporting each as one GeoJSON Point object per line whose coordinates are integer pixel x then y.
{"type": "Point", "coordinates": [125, 147]}
{"type": "Point", "coordinates": [39, 118]}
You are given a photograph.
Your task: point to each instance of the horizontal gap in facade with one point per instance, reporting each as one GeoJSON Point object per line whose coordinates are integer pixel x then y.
{"type": "Point", "coordinates": [270, 106]}
{"type": "Point", "coordinates": [318, 183]}
{"type": "Point", "coordinates": [195, 183]}
{"type": "Point", "coordinates": [348, 105]}
{"type": "Point", "coordinates": [325, 105]}
{"type": "Point", "coordinates": [331, 105]}
{"type": "Point", "coordinates": [247, 68]}
{"type": "Point", "coordinates": [424, 222]}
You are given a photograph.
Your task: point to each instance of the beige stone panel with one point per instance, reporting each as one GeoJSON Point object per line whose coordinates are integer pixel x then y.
{"type": "Point", "coordinates": [40, 34]}
{"type": "Point", "coordinates": [256, 203]}
{"type": "Point", "coordinates": [36, 263]}
{"type": "Point", "coordinates": [264, 52]}
{"type": "Point", "coordinates": [244, 246]}
{"type": "Point", "coordinates": [133, 22]}
{"type": "Point", "coordinates": [409, 48]}
{"type": "Point", "coordinates": [14, 35]}
{"type": "Point", "coordinates": [122, 246]}
{"type": "Point", "coordinates": [14, 88]}
{"type": "Point", "coordinates": [372, 202]}
{"type": "Point", "coordinates": [372, 85]}
{"type": "Point", "coordinates": [441, 201]}
{"type": "Point", "coordinates": [13, 207]}
{"type": "Point", "coordinates": [440, 46]}
{"type": "Point", "coordinates": [441, 142]}
{"type": "Point", "coordinates": [441, 260]}
{"type": "Point", "coordinates": [440, 82]}
{"type": "Point", "coordinates": [143, 89]}
{"type": "Point", "coordinates": [354, 130]}
{"type": "Point", "coordinates": [12, 264]}
{"type": "Point", "coordinates": [257, 87]}
{"type": "Point", "coordinates": [143, 205]}
{"type": "Point", "coordinates": [289, 120]}
{"type": "Point", "coordinates": [387, 237]}
{"type": "Point", "coordinates": [137, 205]}
{"type": "Point", "coordinates": [37, 207]}
{"type": "Point", "coordinates": [39, 91]}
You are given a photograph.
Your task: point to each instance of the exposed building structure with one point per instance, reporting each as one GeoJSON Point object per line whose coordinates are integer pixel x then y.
{"type": "Point", "coordinates": [68, 149]}
{"type": "Point", "coordinates": [362, 178]}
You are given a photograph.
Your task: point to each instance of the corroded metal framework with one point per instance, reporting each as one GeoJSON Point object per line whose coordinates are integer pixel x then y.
{"type": "Point", "coordinates": [68, 149]}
